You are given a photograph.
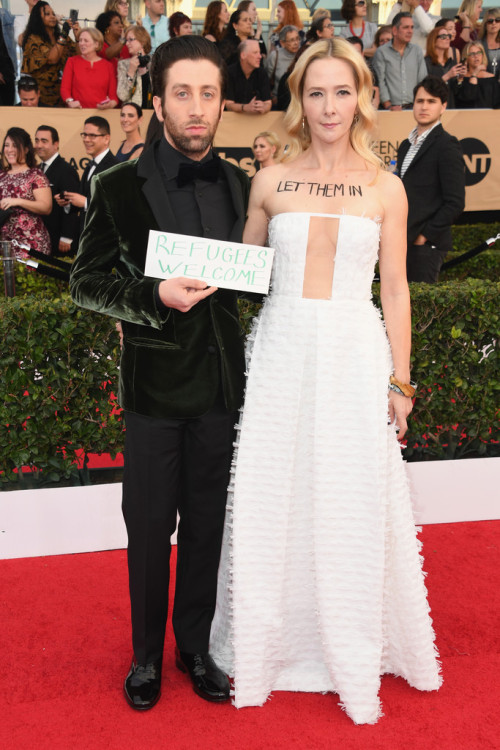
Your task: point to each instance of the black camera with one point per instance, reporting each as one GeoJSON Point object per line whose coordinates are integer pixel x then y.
{"type": "Point", "coordinates": [144, 60]}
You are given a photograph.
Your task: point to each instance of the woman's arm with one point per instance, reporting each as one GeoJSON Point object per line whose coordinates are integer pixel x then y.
{"type": "Point", "coordinates": [41, 205]}
{"type": "Point", "coordinates": [394, 292]}
{"type": "Point", "coordinates": [255, 232]}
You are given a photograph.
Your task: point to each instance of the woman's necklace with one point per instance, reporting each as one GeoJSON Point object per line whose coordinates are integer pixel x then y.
{"type": "Point", "coordinates": [353, 33]}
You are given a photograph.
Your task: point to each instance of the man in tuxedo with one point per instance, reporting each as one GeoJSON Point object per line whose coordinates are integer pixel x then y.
{"type": "Point", "coordinates": [182, 362]}
{"type": "Point", "coordinates": [62, 223]}
{"type": "Point", "coordinates": [96, 136]}
{"type": "Point", "coordinates": [431, 165]}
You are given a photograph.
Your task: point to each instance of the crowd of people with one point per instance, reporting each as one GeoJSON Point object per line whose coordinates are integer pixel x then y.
{"type": "Point", "coordinates": [108, 64]}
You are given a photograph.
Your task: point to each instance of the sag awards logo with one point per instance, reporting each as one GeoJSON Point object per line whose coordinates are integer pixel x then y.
{"type": "Point", "coordinates": [477, 160]}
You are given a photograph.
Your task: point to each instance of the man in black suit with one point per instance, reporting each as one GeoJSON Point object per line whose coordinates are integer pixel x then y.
{"type": "Point", "coordinates": [182, 361]}
{"type": "Point", "coordinates": [430, 163]}
{"type": "Point", "coordinates": [62, 223]}
{"type": "Point", "coordinates": [96, 136]}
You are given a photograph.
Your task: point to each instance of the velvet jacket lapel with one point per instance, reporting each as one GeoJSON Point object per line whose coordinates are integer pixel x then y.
{"type": "Point", "coordinates": [157, 197]}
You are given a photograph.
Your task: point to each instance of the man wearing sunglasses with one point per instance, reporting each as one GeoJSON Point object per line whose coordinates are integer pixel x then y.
{"type": "Point", "coordinates": [29, 95]}
{"type": "Point", "coordinates": [423, 21]}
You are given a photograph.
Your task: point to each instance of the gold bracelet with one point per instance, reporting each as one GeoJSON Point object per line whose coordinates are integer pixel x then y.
{"type": "Point", "coordinates": [405, 389]}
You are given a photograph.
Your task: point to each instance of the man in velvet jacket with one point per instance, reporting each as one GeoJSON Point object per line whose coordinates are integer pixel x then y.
{"type": "Point", "coordinates": [182, 362]}
{"type": "Point", "coordinates": [431, 165]}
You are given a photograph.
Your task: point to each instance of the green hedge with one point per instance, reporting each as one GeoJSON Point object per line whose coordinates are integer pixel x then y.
{"type": "Point", "coordinates": [58, 364]}
{"type": "Point", "coordinates": [58, 367]}
{"type": "Point", "coordinates": [467, 236]}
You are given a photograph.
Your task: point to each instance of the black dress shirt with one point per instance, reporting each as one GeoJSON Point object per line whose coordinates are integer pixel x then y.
{"type": "Point", "coordinates": [202, 209]}
{"type": "Point", "coordinates": [242, 90]}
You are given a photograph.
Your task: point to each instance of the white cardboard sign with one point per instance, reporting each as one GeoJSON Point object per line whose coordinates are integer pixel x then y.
{"type": "Point", "coordinates": [229, 265]}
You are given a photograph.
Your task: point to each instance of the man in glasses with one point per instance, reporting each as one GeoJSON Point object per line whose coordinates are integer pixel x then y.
{"type": "Point", "coordinates": [423, 21]}
{"type": "Point", "coordinates": [96, 135]}
{"type": "Point", "coordinates": [431, 165]}
{"type": "Point", "coordinates": [155, 22]}
{"type": "Point", "coordinates": [29, 95]}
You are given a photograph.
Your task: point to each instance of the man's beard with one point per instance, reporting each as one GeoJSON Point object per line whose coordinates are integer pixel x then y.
{"type": "Point", "coordinates": [189, 145]}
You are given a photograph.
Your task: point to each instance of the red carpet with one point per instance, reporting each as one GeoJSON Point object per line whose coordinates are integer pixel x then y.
{"type": "Point", "coordinates": [65, 652]}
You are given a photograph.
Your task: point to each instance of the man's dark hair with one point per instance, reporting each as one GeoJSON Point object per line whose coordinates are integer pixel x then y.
{"type": "Point", "coordinates": [184, 48]}
{"type": "Point", "coordinates": [396, 21]}
{"type": "Point", "coordinates": [99, 122]}
{"type": "Point", "coordinates": [434, 86]}
{"type": "Point", "coordinates": [53, 132]}
{"type": "Point", "coordinates": [356, 40]}
{"type": "Point", "coordinates": [27, 83]}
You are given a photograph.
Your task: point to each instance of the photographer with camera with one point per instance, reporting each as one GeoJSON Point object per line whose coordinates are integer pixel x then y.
{"type": "Point", "coordinates": [89, 81]}
{"type": "Point", "coordinates": [133, 74]}
{"type": "Point", "coordinates": [46, 48]}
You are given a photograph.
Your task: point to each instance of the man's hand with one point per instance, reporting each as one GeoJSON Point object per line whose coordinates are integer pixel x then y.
{"type": "Point", "coordinates": [76, 199]}
{"type": "Point", "coordinates": [421, 240]}
{"type": "Point", "coordinates": [255, 106]}
{"type": "Point", "coordinates": [64, 247]}
{"type": "Point", "coordinates": [183, 294]}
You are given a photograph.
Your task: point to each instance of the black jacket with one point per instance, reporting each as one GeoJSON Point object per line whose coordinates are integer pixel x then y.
{"type": "Point", "coordinates": [435, 187]}
{"type": "Point", "coordinates": [62, 176]}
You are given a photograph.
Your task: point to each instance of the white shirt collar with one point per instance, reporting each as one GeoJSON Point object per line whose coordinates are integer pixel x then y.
{"type": "Point", "coordinates": [415, 138]}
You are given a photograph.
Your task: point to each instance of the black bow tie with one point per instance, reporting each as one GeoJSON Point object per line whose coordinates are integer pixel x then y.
{"type": "Point", "coordinates": [208, 170]}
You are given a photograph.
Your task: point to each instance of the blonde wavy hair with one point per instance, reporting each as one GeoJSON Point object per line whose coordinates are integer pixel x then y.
{"type": "Point", "coordinates": [363, 125]}
{"type": "Point", "coordinates": [273, 140]}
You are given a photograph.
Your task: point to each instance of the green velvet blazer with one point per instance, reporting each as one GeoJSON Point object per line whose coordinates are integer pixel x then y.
{"type": "Point", "coordinates": [172, 363]}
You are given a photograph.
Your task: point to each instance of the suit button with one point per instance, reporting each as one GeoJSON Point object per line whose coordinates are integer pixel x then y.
{"type": "Point", "coordinates": [211, 349]}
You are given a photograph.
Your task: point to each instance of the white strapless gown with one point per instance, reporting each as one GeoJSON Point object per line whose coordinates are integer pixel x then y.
{"type": "Point", "coordinates": [320, 582]}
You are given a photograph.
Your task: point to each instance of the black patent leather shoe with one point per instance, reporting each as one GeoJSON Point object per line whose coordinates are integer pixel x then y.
{"type": "Point", "coordinates": [143, 685]}
{"type": "Point", "coordinates": [208, 680]}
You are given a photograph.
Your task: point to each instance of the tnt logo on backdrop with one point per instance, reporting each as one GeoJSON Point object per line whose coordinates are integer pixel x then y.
{"type": "Point", "coordinates": [477, 160]}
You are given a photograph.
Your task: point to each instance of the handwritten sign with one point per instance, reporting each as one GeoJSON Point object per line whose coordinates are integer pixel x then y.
{"type": "Point", "coordinates": [230, 265]}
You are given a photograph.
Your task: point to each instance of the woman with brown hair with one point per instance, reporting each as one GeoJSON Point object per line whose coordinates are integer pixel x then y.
{"type": "Point", "coordinates": [354, 12]}
{"type": "Point", "coordinates": [251, 8]}
{"type": "Point", "coordinates": [438, 60]}
{"type": "Point", "coordinates": [24, 190]}
{"type": "Point", "coordinates": [239, 29]}
{"type": "Point", "coordinates": [320, 581]}
{"type": "Point", "coordinates": [216, 20]}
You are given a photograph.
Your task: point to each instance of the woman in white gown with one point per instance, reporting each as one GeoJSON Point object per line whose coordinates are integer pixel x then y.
{"type": "Point", "coordinates": [320, 582]}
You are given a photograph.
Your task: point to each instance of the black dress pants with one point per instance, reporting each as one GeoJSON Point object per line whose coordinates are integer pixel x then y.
{"type": "Point", "coordinates": [175, 465]}
{"type": "Point", "coordinates": [423, 263]}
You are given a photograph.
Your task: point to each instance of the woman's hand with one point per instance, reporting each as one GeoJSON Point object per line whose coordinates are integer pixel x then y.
{"type": "Point", "coordinates": [133, 65]}
{"type": "Point", "coordinates": [457, 70]}
{"type": "Point", "coordinates": [8, 203]}
{"type": "Point", "coordinates": [399, 408]}
{"type": "Point", "coordinates": [75, 104]}
{"type": "Point", "coordinates": [110, 104]}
